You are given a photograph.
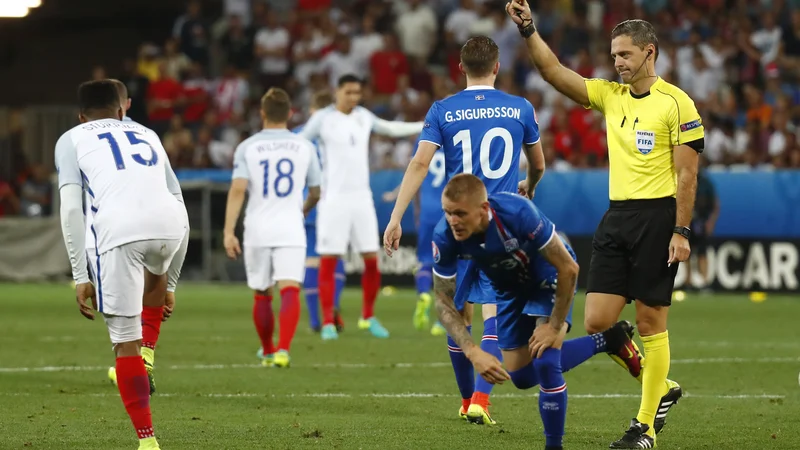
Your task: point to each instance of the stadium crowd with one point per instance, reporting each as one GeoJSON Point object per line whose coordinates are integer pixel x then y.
{"type": "Point", "coordinates": [739, 60]}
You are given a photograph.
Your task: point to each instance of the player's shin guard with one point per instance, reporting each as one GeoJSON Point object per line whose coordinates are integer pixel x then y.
{"type": "Point", "coordinates": [311, 293]}
{"type": "Point", "coordinates": [552, 396]}
{"type": "Point", "coordinates": [424, 279]}
{"type": "Point", "coordinates": [654, 379]}
{"type": "Point", "coordinates": [134, 389]}
{"type": "Point", "coordinates": [465, 373]}
{"type": "Point", "coordinates": [341, 279]}
{"type": "Point", "coordinates": [370, 284]}
{"type": "Point", "coordinates": [264, 320]}
{"type": "Point", "coordinates": [327, 270]}
{"type": "Point", "coordinates": [151, 325]}
{"type": "Point", "coordinates": [289, 317]}
{"type": "Point", "coordinates": [488, 344]}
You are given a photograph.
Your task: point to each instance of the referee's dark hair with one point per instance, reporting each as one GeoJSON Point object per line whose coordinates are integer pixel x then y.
{"type": "Point", "coordinates": [97, 98]}
{"type": "Point", "coordinates": [346, 79]}
{"type": "Point", "coordinates": [479, 56]}
{"type": "Point", "coordinates": [640, 31]}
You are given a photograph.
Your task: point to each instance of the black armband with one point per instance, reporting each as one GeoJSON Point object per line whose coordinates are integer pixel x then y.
{"type": "Point", "coordinates": [526, 28]}
{"type": "Point", "coordinates": [697, 145]}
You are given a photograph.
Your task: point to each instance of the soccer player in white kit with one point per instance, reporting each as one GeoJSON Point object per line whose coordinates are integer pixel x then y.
{"type": "Point", "coordinates": [138, 225]}
{"type": "Point", "coordinates": [273, 167]}
{"type": "Point", "coordinates": [154, 309]}
{"type": "Point", "coordinates": [346, 213]}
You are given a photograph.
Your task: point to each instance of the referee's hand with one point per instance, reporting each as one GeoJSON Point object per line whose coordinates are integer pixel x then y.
{"type": "Point", "coordinates": [679, 249]}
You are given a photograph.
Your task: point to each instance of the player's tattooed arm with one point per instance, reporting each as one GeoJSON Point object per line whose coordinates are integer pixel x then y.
{"type": "Point", "coordinates": [445, 290]}
{"type": "Point", "coordinates": [556, 254]}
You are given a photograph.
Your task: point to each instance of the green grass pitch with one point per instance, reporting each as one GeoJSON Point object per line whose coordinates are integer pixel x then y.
{"type": "Point", "coordinates": [737, 360]}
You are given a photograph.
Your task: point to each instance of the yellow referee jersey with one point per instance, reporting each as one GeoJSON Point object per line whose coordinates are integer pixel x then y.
{"type": "Point", "coordinates": [641, 131]}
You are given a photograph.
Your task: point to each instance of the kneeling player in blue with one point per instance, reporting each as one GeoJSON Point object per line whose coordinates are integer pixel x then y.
{"type": "Point", "coordinates": [534, 273]}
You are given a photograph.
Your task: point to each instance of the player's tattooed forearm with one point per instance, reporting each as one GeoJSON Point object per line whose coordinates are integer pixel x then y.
{"type": "Point", "coordinates": [445, 289]}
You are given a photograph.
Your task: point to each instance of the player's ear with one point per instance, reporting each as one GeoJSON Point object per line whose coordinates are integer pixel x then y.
{"type": "Point", "coordinates": [82, 118]}
{"type": "Point", "coordinates": [128, 105]}
{"type": "Point", "coordinates": [261, 113]}
{"type": "Point", "coordinates": [291, 114]}
{"type": "Point", "coordinates": [461, 68]}
{"type": "Point", "coordinates": [496, 68]}
{"type": "Point", "coordinates": [120, 113]}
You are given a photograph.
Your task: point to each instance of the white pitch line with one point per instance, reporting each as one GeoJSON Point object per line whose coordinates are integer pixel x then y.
{"type": "Point", "coordinates": [700, 361]}
{"type": "Point", "coordinates": [405, 395]}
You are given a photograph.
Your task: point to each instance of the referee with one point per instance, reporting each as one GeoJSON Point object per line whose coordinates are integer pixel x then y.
{"type": "Point", "coordinates": [654, 137]}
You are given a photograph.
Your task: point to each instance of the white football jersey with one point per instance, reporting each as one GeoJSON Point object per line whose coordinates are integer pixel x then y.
{"type": "Point", "coordinates": [172, 184]}
{"type": "Point", "coordinates": [278, 165]}
{"type": "Point", "coordinates": [344, 148]}
{"type": "Point", "coordinates": [124, 168]}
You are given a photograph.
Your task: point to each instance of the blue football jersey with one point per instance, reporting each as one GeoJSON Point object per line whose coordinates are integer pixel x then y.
{"type": "Point", "coordinates": [311, 219]}
{"type": "Point", "coordinates": [430, 193]}
{"type": "Point", "coordinates": [508, 252]}
{"type": "Point", "coordinates": [481, 131]}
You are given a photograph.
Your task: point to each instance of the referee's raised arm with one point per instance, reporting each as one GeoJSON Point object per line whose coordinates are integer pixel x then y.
{"type": "Point", "coordinates": [562, 78]}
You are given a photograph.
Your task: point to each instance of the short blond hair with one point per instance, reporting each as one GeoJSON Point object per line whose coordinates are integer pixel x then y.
{"type": "Point", "coordinates": [465, 185]}
{"type": "Point", "coordinates": [321, 99]}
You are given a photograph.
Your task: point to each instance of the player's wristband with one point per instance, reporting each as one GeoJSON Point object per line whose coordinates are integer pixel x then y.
{"type": "Point", "coordinates": [526, 28]}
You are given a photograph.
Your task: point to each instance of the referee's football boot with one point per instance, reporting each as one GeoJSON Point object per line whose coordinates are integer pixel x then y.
{"type": "Point", "coordinates": [667, 401]}
{"type": "Point", "coordinates": [635, 437]}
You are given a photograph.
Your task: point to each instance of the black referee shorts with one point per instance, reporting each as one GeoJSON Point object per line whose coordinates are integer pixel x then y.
{"type": "Point", "coordinates": [630, 250]}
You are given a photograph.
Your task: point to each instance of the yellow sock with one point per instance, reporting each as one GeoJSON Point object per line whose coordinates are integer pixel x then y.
{"type": "Point", "coordinates": [621, 363]}
{"type": "Point", "coordinates": [149, 355]}
{"type": "Point", "coordinates": [654, 382]}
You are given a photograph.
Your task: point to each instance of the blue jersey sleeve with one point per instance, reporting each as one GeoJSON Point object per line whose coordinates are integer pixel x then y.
{"type": "Point", "coordinates": [445, 252]}
{"type": "Point", "coordinates": [531, 125]}
{"type": "Point", "coordinates": [431, 131]}
{"type": "Point", "coordinates": [524, 219]}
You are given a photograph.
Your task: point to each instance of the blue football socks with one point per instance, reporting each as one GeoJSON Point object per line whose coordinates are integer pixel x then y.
{"type": "Point", "coordinates": [489, 345]}
{"type": "Point", "coordinates": [552, 396]}
{"type": "Point", "coordinates": [311, 293]}
{"type": "Point", "coordinates": [576, 351]}
{"type": "Point", "coordinates": [341, 279]}
{"type": "Point", "coordinates": [465, 373]}
{"type": "Point", "coordinates": [424, 279]}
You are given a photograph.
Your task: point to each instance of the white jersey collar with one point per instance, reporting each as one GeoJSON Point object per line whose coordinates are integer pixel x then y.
{"type": "Point", "coordinates": [478, 87]}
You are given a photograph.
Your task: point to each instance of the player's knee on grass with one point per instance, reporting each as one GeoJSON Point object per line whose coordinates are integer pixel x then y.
{"type": "Point", "coordinates": [125, 333]}
{"type": "Point", "coordinates": [488, 310]}
{"type": "Point", "coordinates": [651, 320]}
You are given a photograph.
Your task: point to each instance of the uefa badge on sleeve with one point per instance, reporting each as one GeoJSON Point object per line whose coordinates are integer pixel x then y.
{"type": "Point", "coordinates": [436, 255]}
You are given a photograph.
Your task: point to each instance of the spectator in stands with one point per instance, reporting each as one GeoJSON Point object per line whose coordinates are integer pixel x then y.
{"type": "Point", "coordinates": [178, 143]}
{"type": "Point", "coordinates": [193, 33]}
{"type": "Point", "coordinates": [195, 89]}
{"type": "Point", "coordinates": [387, 66]}
{"type": "Point", "coordinates": [230, 94]}
{"type": "Point", "coordinates": [460, 20]}
{"type": "Point", "coordinates": [163, 97]}
{"type": "Point", "coordinates": [272, 42]}
{"type": "Point", "coordinates": [704, 220]}
{"type": "Point", "coordinates": [9, 202]}
{"type": "Point", "coordinates": [416, 28]}
{"type": "Point", "coordinates": [138, 86]}
{"type": "Point", "coordinates": [237, 44]}
{"type": "Point", "coordinates": [366, 43]}
{"type": "Point", "coordinates": [177, 62]}
{"type": "Point", "coordinates": [36, 193]}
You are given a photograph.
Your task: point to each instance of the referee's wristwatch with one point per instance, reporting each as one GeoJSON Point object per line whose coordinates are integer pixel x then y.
{"type": "Point", "coordinates": [683, 231]}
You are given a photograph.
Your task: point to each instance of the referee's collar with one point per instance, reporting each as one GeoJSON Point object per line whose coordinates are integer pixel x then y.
{"type": "Point", "coordinates": [641, 96]}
